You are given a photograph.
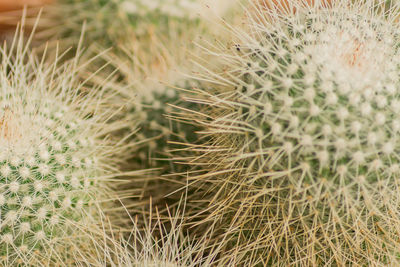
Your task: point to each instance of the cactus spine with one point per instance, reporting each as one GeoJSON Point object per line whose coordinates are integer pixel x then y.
{"type": "Point", "coordinates": [302, 122]}
{"type": "Point", "coordinates": [150, 41]}
{"type": "Point", "coordinates": [56, 162]}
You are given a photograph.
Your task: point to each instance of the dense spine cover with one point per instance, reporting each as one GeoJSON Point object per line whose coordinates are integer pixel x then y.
{"type": "Point", "coordinates": [58, 164]}
{"type": "Point", "coordinates": [301, 117]}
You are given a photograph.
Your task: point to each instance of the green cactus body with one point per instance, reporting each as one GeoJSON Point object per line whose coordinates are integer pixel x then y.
{"type": "Point", "coordinates": [158, 131]}
{"type": "Point", "coordinates": [155, 73]}
{"type": "Point", "coordinates": [303, 128]}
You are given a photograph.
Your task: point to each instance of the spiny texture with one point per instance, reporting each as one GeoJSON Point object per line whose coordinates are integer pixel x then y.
{"type": "Point", "coordinates": [159, 245]}
{"type": "Point", "coordinates": [56, 162]}
{"type": "Point", "coordinates": [302, 119]}
{"type": "Point", "coordinates": [157, 130]}
{"type": "Point", "coordinates": [153, 63]}
{"type": "Point", "coordinates": [150, 41]}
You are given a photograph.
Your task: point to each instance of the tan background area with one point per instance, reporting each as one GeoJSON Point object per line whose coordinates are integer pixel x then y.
{"type": "Point", "coordinates": [7, 5]}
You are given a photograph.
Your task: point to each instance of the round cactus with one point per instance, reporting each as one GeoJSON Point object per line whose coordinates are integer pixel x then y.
{"type": "Point", "coordinates": [56, 162]}
{"type": "Point", "coordinates": [302, 122]}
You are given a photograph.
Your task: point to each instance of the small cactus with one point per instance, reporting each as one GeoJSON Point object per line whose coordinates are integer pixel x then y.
{"type": "Point", "coordinates": [55, 162]}
{"type": "Point", "coordinates": [301, 118]}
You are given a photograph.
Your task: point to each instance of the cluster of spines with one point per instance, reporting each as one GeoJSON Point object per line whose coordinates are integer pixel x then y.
{"type": "Point", "coordinates": [148, 39]}
{"type": "Point", "coordinates": [54, 177]}
{"type": "Point", "coordinates": [46, 188]}
{"type": "Point", "coordinates": [301, 126]}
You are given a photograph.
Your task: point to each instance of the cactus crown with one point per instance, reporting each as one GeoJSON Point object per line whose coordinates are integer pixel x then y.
{"type": "Point", "coordinates": [303, 117]}
{"type": "Point", "coordinates": [54, 161]}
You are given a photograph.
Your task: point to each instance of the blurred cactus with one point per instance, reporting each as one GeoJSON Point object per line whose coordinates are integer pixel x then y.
{"type": "Point", "coordinates": [118, 19]}
{"type": "Point", "coordinates": [150, 42]}
{"type": "Point", "coordinates": [301, 118]}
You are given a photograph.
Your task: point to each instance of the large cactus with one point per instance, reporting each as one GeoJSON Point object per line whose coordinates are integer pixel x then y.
{"type": "Point", "coordinates": [302, 120]}
{"type": "Point", "coordinates": [56, 162]}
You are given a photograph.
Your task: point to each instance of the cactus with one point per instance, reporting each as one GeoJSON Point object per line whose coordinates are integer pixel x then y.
{"type": "Point", "coordinates": [150, 41]}
{"type": "Point", "coordinates": [301, 122]}
{"type": "Point", "coordinates": [56, 162]}
{"type": "Point", "coordinates": [117, 23]}
{"type": "Point", "coordinates": [118, 19]}
{"type": "Point", "coordinates": [149, 53]}
{"type": "Point", "coordinates": [155, 71]}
